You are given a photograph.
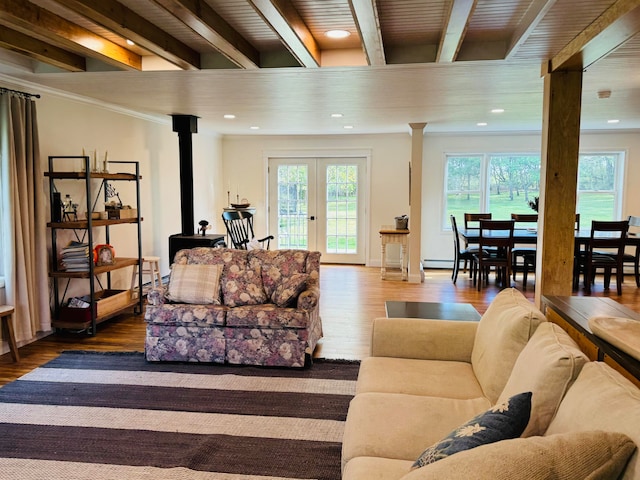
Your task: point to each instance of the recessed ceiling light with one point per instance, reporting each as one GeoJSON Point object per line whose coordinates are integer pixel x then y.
{"type": "Point", "coordinates": [613, 120]}
{"type": "Point", "coordinates": [229, 116]}
{"type": "Point", "coordinates": [497, 110]}
{"type": "Point", "coordinates": [130, 42]}
{"type": "Point", "coordinates": [255, 127]}
{"type": "Point", "coordinates": [482, 124]}
{"type": "Point", "coordinates": [336, 115]}
{"type": "Point", "coordinates": [348, 127]}
{"type": "Point", "coordinates": [337, 33]}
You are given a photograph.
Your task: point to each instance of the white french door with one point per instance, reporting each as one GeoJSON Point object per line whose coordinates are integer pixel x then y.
{"type": "Point", "coordinates": [319, 204]}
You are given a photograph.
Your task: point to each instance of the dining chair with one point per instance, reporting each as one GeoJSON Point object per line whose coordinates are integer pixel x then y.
{"type": "Point", "coordinates": [523, 251]}
{"type": "Point", "coordinates": [604, 250]}
{"type": "Point", "coordinates": [460, 254]}
{"type": "Point", "coordinates": [239, 225]}
{"type": "Point", "coordinates": [472, 220]}
{"type": "Point", "coordinates": [495, 242]}
{"type": "Point", "coordinates": [634, 258]}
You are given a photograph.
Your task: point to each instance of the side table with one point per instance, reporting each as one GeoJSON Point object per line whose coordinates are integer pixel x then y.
{"type": "Point", "coordinates": [389, 234]}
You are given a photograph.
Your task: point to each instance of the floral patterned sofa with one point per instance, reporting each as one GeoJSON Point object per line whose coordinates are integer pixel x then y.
{"type": "Point", "coordinates": [256, 307]}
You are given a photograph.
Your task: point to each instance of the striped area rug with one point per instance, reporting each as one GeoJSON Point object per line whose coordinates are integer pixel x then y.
{"type": "Point", "coordinates": [114, 416]}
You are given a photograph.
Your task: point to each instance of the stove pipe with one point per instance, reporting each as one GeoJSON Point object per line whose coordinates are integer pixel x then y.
{"type": "Point", "coordinates": [185, 125]}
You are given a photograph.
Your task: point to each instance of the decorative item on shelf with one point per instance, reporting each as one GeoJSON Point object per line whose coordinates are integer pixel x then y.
{"type": "Point", "coordinates": [93, 215]}
{"type": "Point", "coordinates": [244, 203]}
{"type": "Point", "coordinates": [69, 209]}
{"type": "Point", "coordinates": [104, 254]}
{"type": "Point", "coordinates": [105, 163]}
{"type": "Point", "coordinates": [402, 222]}
{"type": "Point", "coordinates": [111, 193]}
{"type": "Point", "coordinates": [204, 226]}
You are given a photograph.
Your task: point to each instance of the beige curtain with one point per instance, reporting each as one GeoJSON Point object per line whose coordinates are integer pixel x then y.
{"type": "Point", "coordinates": [22, 221]}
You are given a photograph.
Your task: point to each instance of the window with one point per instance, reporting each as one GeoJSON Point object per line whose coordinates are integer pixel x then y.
{"type": "Point", "coordinates": [505, 183]}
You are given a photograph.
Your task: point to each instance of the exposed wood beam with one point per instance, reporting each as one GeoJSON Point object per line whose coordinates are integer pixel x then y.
{"type": "Point", "coordinates": [615, 26]}
{"type": "Point", "coordinates": [294, 33]}
{"type": "Point", "coordinates": [202, 19]}
{"type": "Point", "coordinates": [41, 51]}
{"type": "Point", "coordinates": [534, 14]}
{"type": "Point", "coordinates": [128, 24]}
{"type": "Point", "coordinates": [365, 13]}
{"type": "Point", "coordinates": [455, 29]}
{"type": "Point", "coordinates": [32, 20]}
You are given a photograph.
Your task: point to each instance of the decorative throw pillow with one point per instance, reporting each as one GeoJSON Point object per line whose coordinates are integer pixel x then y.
{"type": "Point", "coordinates": [502, 421]}
{"type": "Point", "coordinates": [198, 284]}
{"type": "Point", "coordinates": [287, 292]}
{"type": "Point", "coordinates": [242, 286]}
{"type": "Point", "coordinates": [595, 455]}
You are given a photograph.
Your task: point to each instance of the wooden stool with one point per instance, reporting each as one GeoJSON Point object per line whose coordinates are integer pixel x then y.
{"type": "Point", "coordinates": [151, 267]}
{"type": "Point", "coordinates": [6, 311]}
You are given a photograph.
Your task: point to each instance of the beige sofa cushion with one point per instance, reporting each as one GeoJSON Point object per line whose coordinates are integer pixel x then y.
{"type": "Point", "coordinates": [592, 455]}
{"type": "Point", "coordinates": [547, 366]}
{"type": "Point", "coordinates": [503, 331]}
{"type": "Point", "coordinates": [401, 426]}
{"type": "Point", "coordinates": [375, 468]}
{"type": "Point", "coordinates": [601, 399]}
{"type": "Point", "coordinates": [418, 377]}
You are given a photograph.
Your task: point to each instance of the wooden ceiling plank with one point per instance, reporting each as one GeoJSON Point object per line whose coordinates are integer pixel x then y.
{"type": "Point", "coordinates": [41, 51]}
{"type": "Point", "coordinates": [534, 15]}
{"type": "Point", "coordinates": [294, 33]}
{"type": "Point", "coordinates": [455, 29]}
{"type": "Point", "coordinates": [128, 24]}
{"type": "Point", "coordinates": [365, 14]}
{"type": "Point", "coordinates": [616, 25]}
{"type": "Point", "coordinates": [202, 19]}
{"type": "Point", "coordinates": [31, 19]}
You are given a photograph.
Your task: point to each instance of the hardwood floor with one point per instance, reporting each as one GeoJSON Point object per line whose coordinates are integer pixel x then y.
{"type": "Point", "coordinates": [351, 297]}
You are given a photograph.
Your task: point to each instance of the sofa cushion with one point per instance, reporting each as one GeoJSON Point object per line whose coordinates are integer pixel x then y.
{"type": "Point", "coordinates": [503, 331]}
{"type": "Point", "coordinates": [592, 455]}
{"type": "Point", "coordinates": [198, 284]}
{"type": "Point", "coordinates": [400, 426]}
{"type": "Point", "coordinates": [267, 315]}
{"type": "Point", "coordinates": [547, 366]}
{"type": "Point", "coordinates": [277, 265]}
{"type": "Point", "coordinates": [287, 291]}
{"type": "Point", "coordinates": [418, 377]}
{"type": "Point", "coordinates": [601, 399]}
{"type": "Point", "coordinates": [502, 421]}
{"type": "Point", "coordinates": [375, 468]}
{"type": "Point", "coordinates": [242, 286]}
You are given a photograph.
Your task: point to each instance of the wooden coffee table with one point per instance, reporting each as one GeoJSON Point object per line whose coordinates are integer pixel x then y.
{"type": "Point", "coordinates": [434, 310]}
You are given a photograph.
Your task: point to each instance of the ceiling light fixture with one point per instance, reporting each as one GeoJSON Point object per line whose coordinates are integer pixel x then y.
{"type": "Point", "coordinates": [130, 42]}
{"type": "Point", "coordinates": [337, 33]}
{"type": "Point", "coordinates": [336, 115]}
{"type": "Point", "coordinates": [613, 120]}
{"type": "Point", "coordinates": [255, 127]}
{"type": "Point", "coordinates": [229, 116]}
{"type": "Point", "coordinates": [348, 127]}
{"type": "Point", "coordinates": [497, 110]}
{"type": "Point", "coordinates": [482, 124]}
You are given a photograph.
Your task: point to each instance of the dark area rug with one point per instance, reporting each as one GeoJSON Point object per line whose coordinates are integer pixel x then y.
{"type": "Point", "coordinates": [114, 415]}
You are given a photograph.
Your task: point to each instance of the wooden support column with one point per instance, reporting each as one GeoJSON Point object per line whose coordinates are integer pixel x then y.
{"type": "Point", "coordinates": [415, 210]}
{"type": "Point", "coordinates": [558, 177]}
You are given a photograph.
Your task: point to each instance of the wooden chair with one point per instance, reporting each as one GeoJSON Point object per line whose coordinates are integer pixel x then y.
{"type": "Point", "coordinates": [494, 250]}
{"type": "Point", "coordinates": [460, 254]}
{"type": "Point", "coordinates": [522, 251]}
{"type": "Point", "coordinates": [239, 225]}
{"type": "Point", "coordinates": [634, 258]}
{"type": "Point", "coordinates": [610, 236]}
{"type": "Point", "coordinates": [6, 313]}
{"type": "Point", "coordinates": [472, 220]}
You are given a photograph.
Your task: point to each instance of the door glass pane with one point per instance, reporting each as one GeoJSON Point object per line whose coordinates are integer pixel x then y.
{"type": "Point", "coordinates": [342, 209]}
{"type": "Point", "coordinates": [293, 206]}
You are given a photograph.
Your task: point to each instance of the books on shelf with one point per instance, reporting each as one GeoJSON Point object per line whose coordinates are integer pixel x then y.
{"type": "Point", "coordinates": [75, 257]}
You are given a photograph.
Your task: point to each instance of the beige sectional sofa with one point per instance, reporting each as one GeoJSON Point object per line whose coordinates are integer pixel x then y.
{"type": "Point", "coordinates": [425, 378]}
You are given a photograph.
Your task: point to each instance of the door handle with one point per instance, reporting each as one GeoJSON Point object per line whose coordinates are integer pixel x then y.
{"type": "Point", "coordinates": [312, 217]}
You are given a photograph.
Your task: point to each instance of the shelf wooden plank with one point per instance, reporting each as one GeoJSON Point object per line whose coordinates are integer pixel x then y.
{"type": "Point", "coordinates": [120, 262]}
{"type": "Point", "coordinates": [67, 325]}
{"type": "Point", "coordinates": [84, 224]}
{"type": "Point", "coordinates": [97, 175]}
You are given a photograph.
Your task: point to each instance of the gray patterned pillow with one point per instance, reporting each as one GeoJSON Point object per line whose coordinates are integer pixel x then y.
{"type": "Point", "coordinates": [501, 422]}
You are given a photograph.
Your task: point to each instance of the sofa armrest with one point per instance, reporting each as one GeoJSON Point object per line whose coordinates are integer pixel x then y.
{"type": "Point", "coordinates": [423, 339]}
{"type": "Point", "coordinates": [156, 296]}
{"type": "Point", "coordinates": [310, 298]}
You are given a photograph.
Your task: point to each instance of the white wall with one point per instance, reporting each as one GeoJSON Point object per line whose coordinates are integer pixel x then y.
{"type": "Point", "coordinates": [66, 127]}
{"type": "Point", "coordinates": [245, 157]}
